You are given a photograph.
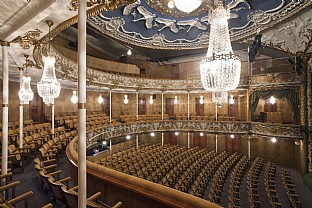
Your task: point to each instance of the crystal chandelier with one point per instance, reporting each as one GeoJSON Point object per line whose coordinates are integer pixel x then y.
{"type": "Point", "coordinates": [220, 69]}
{"type": "Point", "coordinates": [26, 94]}
{"type": "Point", "coordinates": [186, 6]}
{"type": "Point", "coordinates": [74, 98]}
{"type": "Point", "coordinates": [48, 87]}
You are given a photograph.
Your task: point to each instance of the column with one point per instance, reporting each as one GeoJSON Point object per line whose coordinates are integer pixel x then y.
{"type": "Point", "coordinates": [110, 147]}
{"type": "Point", "coordinates": [248, 146]}
{"type": "Point", "coordinates": [110, 105]}
{"type": "Point", "coordinates": [216, 143]}
{"type": "Point", "coordinates": [137, 141]}
{"type": "Point", "coordinates": [188, 140]}
{"type": "Point", "coordinates": [82, 176]}
{"type": "Point", "coordinates": [5, 106]}
{"type": "Point", "coordinates": [188, 105]}
{"type": "Point", "coordinates": [137, 105]}
{"type": "Point", "coordinates": [21, 113]}
{"type": "Point", "coordinates": [52, 109]}
{"type": "Point", "coordinates": [162, 105]}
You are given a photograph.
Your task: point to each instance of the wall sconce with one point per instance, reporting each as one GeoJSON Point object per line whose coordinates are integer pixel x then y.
{"type": "Point", "coordinates": [272, 100]}
{"type": "Point", "coordinates": [129, 52]}
{"type": "Point", "coordinates": [74, 98]}
{"type": "Point", "coordinates": [126, 100]}
{"type": "Point", "coordinates": [201, 99]}
{"type": "Point", "coordinates": [231, 101]}
{"type": "Point", "coordinates": [152, 134]}
{"type": "Point", "coordinates": [151, 101]}
{"type": "Point", "coordinates": [176, 133]}
{"type": "Point", "coordinates": [175, 101]}
{"type": "Point", "coordinates": [100, 99]}
{"type": "Point", "coordinates": [273, 140]}
{"type": "Point", "coordinates": [201, 134]}
{"type": "Point", "coordinates": [232, 136]}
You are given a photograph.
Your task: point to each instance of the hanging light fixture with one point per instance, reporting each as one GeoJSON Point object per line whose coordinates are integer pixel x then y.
{"type": "Point", "coordinates": [151, 101]}
{"type": "Point", "coordinates": [219, 98]}
{"type": "Point", "coordinates": [175, 101]}
{"type": "Point", "coordinates": [26, 94]}
{"type": "Point", "coordinates": [100, 99]}
{"type": "Point", "coordinates": [220, 69]}
{"type": "Point", "coordinates": [186, 6]}
{"type": "Point", "coordinates": [48, 87]}
{"type": "Point", "coordinates": [272, 100]}
{"type": "Point", "coordinates": [201, 99]}
{"type": "Point", "coordinates": [74, 98]}
{"type": "Point", "coordinates": [126, 100]}
{"type": "Point", "coordinates": [129, 52]}
{"type": "Point", "coordinates": [231, 101]}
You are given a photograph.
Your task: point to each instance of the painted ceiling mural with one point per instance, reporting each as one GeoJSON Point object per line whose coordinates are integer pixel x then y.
{"type": "Point", "coordinates": [149, 23]}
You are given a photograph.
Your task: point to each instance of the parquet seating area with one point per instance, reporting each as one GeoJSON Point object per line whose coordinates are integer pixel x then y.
{"type": "Point", "coordinates": [204, 173]}
{"type": "Point", "coordinates": [289, 187]}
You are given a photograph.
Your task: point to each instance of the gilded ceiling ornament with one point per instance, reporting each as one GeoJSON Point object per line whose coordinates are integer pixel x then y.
{"type": "Point", "coordinates": [28, 40]}
{"type": "Point", "coordinates": [148, 17]}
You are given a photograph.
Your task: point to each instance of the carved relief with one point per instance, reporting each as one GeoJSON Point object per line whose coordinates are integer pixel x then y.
{"type": "Point", "coordinates": [28, 40]}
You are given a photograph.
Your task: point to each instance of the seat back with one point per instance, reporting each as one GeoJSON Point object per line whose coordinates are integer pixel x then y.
{"type": "Point", "coordinates": [71, 198]}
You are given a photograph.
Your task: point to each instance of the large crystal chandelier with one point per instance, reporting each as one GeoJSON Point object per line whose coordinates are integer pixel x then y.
{"type": "Point", "coordinates": [26, 94]}
{"type": "Point", "coordinates": [220, 69]}
{"type": "Point", "coordinates": [48, 87]}
{"type": "Point", "coordinates": [186, 6]}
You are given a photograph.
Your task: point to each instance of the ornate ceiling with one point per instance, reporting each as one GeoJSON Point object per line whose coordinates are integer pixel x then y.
{"type": "Point", "coordinates": [151, 24]}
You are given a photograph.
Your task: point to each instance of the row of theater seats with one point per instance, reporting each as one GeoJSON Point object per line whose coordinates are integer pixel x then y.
{"type": "Point", "coordinates": [15, 124]}
{"type": "Point", "coordinates": [51, 180]}
{"type": "Point", "coordinates": [203, 173]}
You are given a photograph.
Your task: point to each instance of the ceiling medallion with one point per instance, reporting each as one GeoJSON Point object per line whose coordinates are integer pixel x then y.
{"type": "Point", "coordinates": [164, 8]}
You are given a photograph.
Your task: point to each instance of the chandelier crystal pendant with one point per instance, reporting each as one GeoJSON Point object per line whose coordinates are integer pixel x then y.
{"type": "Point", "coordinates": [220, 69]}
{"type": "Point", "coordinates": [48, 87]}
{"type": "Point", "coordinates": [186, 6]}
{"type": "Point", "coordinates": [26, 94]}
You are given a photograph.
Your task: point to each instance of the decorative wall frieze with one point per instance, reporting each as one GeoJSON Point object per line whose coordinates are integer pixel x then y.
{"type": "Point", "coordinates": [284, 78]}
{"type": "Point", "coordinates": [113, 131]}
{"type": "Point", "coordinates": [28, 40]}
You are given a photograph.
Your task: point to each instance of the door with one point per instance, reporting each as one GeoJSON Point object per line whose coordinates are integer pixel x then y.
{"type": "Point", "coordinates": [233, 108]}
{"type": "Point", "coordinates": [105, 105]}
{"type": "Point", "coordinates": [170, 107]}
{"type": "Point", "coordinates": [199, 108]}
{"type": "Point", "coordinates": [36, 109]}
{"type": "Point", "coordinates": [142, 106]}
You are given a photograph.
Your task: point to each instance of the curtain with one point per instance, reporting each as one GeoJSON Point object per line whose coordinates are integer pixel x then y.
{"type": "Point", "coordinates": [291, 97]}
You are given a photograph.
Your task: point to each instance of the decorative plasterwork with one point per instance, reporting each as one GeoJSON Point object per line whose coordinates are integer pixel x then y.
{"type": "Point", "coordinates": [275, 130]}
{"type": "Point", "coordinates": [28, 40]}
{"type": "Point", "coordinates": [290, 36]}
{"type": "Point", "coordinates": [274, 79]}
{"type": "Point", "coordinates": [112, 131]}
{"type": "Point", "coordinates": [165, 32]}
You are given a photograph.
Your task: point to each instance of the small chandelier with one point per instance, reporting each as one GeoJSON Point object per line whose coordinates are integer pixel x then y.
{"type": "Point", "coordinates": [220, 69]}
{"type": "Point", "coordinates": [48, 87]}
{"type": "Point", "coordinates": [219, 98]}
{"type": "Point", "coordinates": [26, 94]}
{"type": "Point", "coordinates": [175, 101]}
{"type": "Point", "coordinates": [201, 99]}
{"type": "Point", "coordinates": [126, 100]}
{"type": "Point", "coordinates": [100, 99]}
{"type": "Point", "coordinates": [186, 6]}
{"type": "Point", "coordinates": [74, 98]}
{"type": "Point", "coordinates": [151, 101]}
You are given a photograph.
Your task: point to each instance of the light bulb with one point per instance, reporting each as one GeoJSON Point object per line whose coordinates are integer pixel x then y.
{"type": "Point", "coordinates": [129, 53]}
{"type": "Point", "coordinates": [151, 101]}
{"type": "Point", "coordinates": [232, 136]}
{"type": "Point", "coordinates": [128, 137]}
{"type": "Point", "coordinates": [74, 98]}
{"type": "Point", "coordinates": [273, 140]}
{"type": "Point", "coordinates": [100, 99]}
{"type": "Point", "coordinates": [171, 4]}
{"type": "Point", "coordinates": [201, 99]}
{"type": "Point", "coordinates": [231, 100]}
{"type": "Point", "coordinates": [201, 134]}
{"type": "Point", "coordinates": [175, 101]}
{"type": "Point", "coordinates": [176, 133]}
{"type": "Point", "coordinates": [126, 100]}
{"type": "Point", "coordinates": [152, 134]}
{"type": "Point", "coordinates": [272, 100]}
